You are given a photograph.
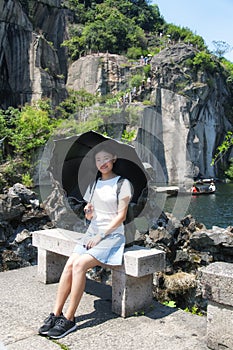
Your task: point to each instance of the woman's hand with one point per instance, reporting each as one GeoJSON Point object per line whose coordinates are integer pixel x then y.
{"type": "Point", "coordinates": [93, 241]}
{"type": "Point", "coordinates": [88, 210]}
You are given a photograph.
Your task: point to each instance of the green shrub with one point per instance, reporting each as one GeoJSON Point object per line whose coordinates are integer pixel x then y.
{"type": "Point", "coordinates": [134, 52]}
{"type": "Point", "coordinates": [27, 180]}
{"type": "Point", "coordinates": [128, 136]}
{"type": "Point", "coordinates": [136, 80]}
{"type": "Point", "coordinates": [147, 70]}
{"type": "Point", "coordinates": [204, 60]}
{"type": "Point", "coordinates": [33, 127]}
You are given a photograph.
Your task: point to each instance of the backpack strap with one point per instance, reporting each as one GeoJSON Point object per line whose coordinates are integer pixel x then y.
{"type": "Point", "coordinates": [119, 185]}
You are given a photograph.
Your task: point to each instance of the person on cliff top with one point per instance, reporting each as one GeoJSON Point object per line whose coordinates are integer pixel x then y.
{"type": "Point", "coordinates": [103, 243]}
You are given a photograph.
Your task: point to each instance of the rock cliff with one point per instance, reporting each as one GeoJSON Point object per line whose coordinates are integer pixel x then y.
{"type": "Point", "coordinates": [32, 64]}
{"type": "Point", "coordinates": [99, 73]}
{"type": "Point", "coordinates": [179, 131]}
{"type": "Point", "coordinates": [186, 120]}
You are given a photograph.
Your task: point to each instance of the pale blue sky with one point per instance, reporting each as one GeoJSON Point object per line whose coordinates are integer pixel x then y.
{"type": "Point", "coordinates": [210, 19]}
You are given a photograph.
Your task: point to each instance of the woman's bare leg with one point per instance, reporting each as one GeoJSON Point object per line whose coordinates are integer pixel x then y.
{"type": "Point", "coordinates": [80, 266]}
{"type": "Point", "coordinates": [64, 286]}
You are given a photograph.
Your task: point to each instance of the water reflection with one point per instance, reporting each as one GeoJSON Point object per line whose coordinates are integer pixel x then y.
{"type": "Point", "coordinates": [212, 210]}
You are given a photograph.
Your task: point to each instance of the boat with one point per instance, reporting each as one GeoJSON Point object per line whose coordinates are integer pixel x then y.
{"type": "Point", "coordinates": [199, 190]}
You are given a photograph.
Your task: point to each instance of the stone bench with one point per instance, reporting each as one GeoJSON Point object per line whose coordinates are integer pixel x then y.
{"type": "Point", "coordinates": [217, 288]}
{"type": "Point", "coordinates": [132, 283]}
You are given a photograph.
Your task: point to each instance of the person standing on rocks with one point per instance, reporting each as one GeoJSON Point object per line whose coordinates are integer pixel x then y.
{"type": "Point", "coordinates": [103, 242]}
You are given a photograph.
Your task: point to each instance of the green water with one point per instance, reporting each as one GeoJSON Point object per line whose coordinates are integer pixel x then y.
{"type": "Point", "coordinates": [211, 210]}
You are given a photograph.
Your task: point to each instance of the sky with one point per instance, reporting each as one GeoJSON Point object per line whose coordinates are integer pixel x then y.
{"type": "Point", "coordinates": [211, 19]}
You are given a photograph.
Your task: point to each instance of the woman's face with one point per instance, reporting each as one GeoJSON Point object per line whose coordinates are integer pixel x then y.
{"type": "Point", "coordinates": [104, 161]}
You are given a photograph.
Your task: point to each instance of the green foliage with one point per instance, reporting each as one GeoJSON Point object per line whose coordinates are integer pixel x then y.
{"type": "Point", "coordinates": [229, 69]}
{"type": "Point", "coordinates": [110, 31]}
{"type": "Point", "coordinates": [7, 118]}
{"type": "Point", "coordinates": [110, 25]}
{"type": "Point", "coordinates": [194, 310]}
{"type": "Point", "coordinates": [27, 180]}
{"type": "Point", "coordinates": [28, 128]}
{"type": "Point", "coordinates": [76, 102]}
{"type": "Point", "coordinates": [75, 46]}
{"type": "Point", "coordinates": [3, 124]}
{"type": "Point", "coordinates": [229, 171]}
{"type": "Point", "coordinates": [139, 313]}
{"type": "Point", "coordinates": [71, 126]}
{"type": "Point", "coordinates": [170, 303]}
{"type": "Point", "coordinates": [134, 114]}
{"type": "Point", "coordinates": [134, 52]}
{"type": "Point", "coordinates": [147, 70]}
{"type": "Point", "coordinates": [122, 26]}
{"type": "Point", "coordinates": [32, 128]}
{"type": "Point", "coordinates": [11, 172]}
{"type": "Point", "coordinates": [224, 147]}
{"type": "Point", "coordinates": [128, 136]}
{"type": "Point", "coordinates": [136, 80]}
{"type": "Point", "coordinates": [204, 60]}
{"type": "Point", "coordinates": [177, 33]}
{"type": "Point", "coordinates": [145, 15]}
{"type": "Point", "coordinates": [147, 103]}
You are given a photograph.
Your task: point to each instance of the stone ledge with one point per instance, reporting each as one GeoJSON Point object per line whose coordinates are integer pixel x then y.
{"type": "Point", "coordinates": [141, 261]}
{"type": "Point", "coordinates": [217, 283]}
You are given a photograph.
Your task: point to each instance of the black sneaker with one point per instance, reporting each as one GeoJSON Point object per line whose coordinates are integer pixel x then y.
{"type": "Point", "coordinates": [49, 323]}
{"type": "Point", "coordinates": [62, 327]}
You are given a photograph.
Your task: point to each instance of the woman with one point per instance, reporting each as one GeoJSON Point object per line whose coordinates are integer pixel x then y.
{"type": "Point", "coordinates": [103, 242]}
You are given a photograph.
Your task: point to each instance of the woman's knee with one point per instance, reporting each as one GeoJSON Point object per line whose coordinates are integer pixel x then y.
{"type": "Point", "coordinates": [83, 264]}
{"type": "Point", "coordinates": [70, 264]}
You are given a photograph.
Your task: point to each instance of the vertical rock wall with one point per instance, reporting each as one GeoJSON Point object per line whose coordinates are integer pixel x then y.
{"type": "Point", "coordinates": [161, 139]}
{"type": "Point", "coordinates": [15, 39]}
{"type": "Point", "coordinates": [188, 120]}
{"type": "Point", "coordinates": [99, 73]}
{"type": "Point", "coordinates": [32, 64]}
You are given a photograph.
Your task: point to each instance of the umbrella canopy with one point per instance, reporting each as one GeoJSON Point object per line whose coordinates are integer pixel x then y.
{"type": "Point", "coordinates": [73, 164]}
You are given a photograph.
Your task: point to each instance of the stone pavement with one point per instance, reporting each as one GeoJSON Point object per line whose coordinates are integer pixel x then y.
{"type": "Point", "coordinates": [25, 303]}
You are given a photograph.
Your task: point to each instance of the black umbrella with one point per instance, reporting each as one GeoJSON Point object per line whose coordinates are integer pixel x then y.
{"type": "Point", "coordinates": [72, 163]}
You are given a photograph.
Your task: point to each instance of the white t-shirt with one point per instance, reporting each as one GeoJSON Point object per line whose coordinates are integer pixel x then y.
{"type": "Point", "coordinates": [104, 200]}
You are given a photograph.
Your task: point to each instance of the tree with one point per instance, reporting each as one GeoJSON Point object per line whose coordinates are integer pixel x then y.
{"type": "Point", "coordinates": [221, 48]}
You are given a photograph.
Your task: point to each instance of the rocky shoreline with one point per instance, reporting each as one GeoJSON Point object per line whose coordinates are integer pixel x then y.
{"type": "Point", "coordinates": [187, 243]}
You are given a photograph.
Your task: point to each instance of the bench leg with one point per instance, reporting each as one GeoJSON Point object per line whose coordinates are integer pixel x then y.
{"type": "Point", "coordinates": [130, 294]}
{"type": "Point", "coordinates": [50, 266]}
